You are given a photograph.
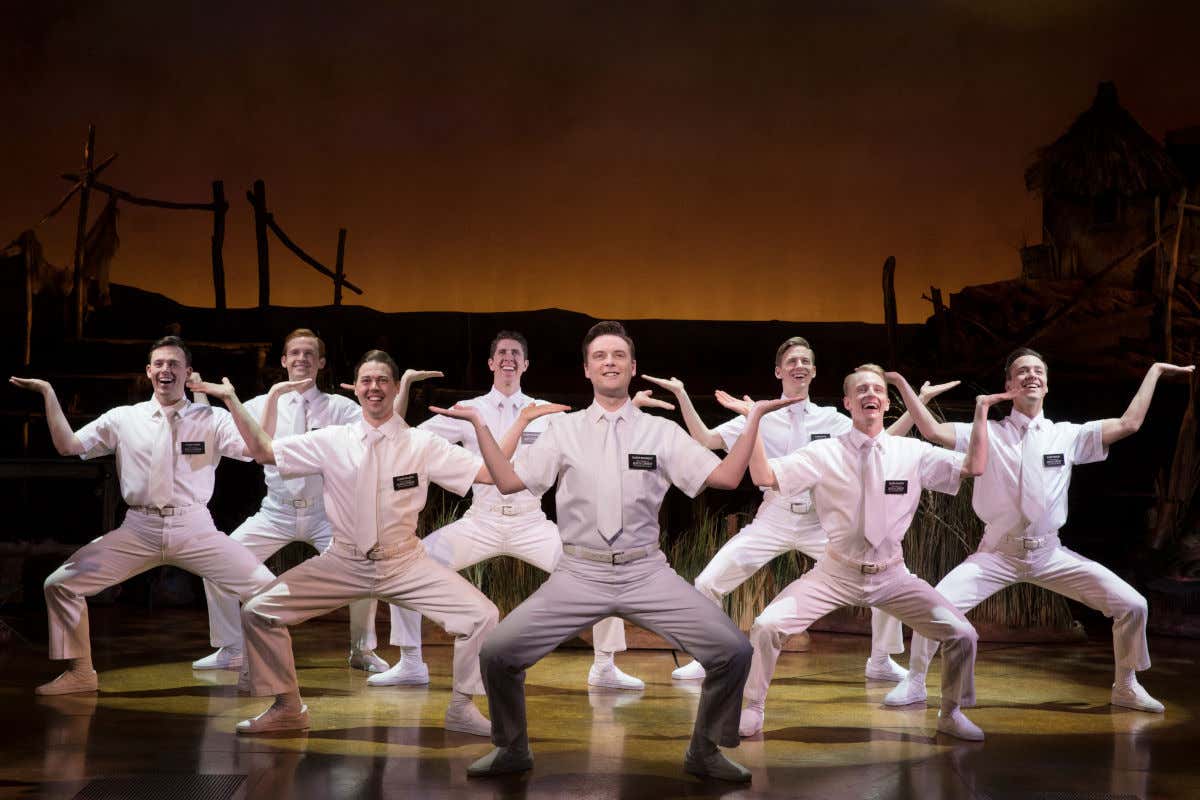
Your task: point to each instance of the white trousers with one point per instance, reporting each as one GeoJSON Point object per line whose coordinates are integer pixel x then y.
{"type": "Point", "coordinates": [830, 585]}
{"type": "Point", "coordinates": [480, 535]}
{"type": "Point", "coordinates": [264, 534]}
{"type": "Point", "coordinates": [1060, 570]}
{"type": "Point", "coordinates": [189, 541]}
{"type": "Point", "coordinates": [774, 531]}
{"type": "Point", "coordinates": [341, 575]}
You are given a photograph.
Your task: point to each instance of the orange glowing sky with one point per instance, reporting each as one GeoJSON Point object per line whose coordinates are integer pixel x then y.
{"type": "Point", "coordinates": [694, 160]}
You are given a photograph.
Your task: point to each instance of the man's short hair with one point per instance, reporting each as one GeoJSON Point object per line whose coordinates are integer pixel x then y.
{"type": "Point", "coordinates": [382, 358]}
{"type": "Point", "coordinates": [1021, 352]}
{"type": "Point", "coordinates": [795, 341]}
{"type": "Point", "coordinates": [515, 336]}
{"type": "Point", "coordinates": [171, 341]}
{"type": "Point", "coordinates": [875, 368]}
{"type": "Point", "coordinates": [606, 328]}
{"type": "Point", "coordinates": [304, 332]}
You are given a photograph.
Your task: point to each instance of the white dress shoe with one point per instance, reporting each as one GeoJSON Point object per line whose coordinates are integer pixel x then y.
{"type": "Point", "coordinates": [466, 718]}
{"type": "Point", "coordinates": [275, 719]}
{"type": "Point", "coordinates": [1135, 697]}
{"type": "Point", "coordinates": [368, 661]}
{"type": "Point", "coordinates": [715, 765]}
{"type": "Point", "coordinates": [751, 722]}
{"type": "Point", "coordinates": [73, 681]}
{"type": "Point", "coordinates": [907, 692]}
{"type": "Point", "coordinates": [609, 676]}
{"type": "Point", "coordinates": [501, 761]}
{"type": "Point", "coordinates": [887, 671]}
{"type": "Point", "coordinates": [221, 658]}
{"type": "Point", "coordinates": [405, 672]}
{"type": "Point", "coordinates": [957, 725]}
{"type": "Point", "coordinates": [689, 672]}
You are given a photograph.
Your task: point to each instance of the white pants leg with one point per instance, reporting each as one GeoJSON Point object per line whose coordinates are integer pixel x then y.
{"type": "Point", "coordinates": [332, 580]}
{"type": "Point", "coordinates": [189, 541]}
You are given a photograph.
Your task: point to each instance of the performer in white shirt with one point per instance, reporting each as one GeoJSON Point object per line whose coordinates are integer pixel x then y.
{"type": "Point", "coordinates": [497, 524]}
{"type": "Point", "coordinates": [866, 486]}
{"type": "Point", "coordinates": [167, 451]}
{"type": "Point", "coordinates": [1022, 500]}
{"type": "Point", "coordinates": [376, 479]}
{"type": "Point", "coordinates": [613, 464]}
{"type": "Point", "coordinates": [292, 510]}
{"type": "Point", "coordinates": [783, 524]}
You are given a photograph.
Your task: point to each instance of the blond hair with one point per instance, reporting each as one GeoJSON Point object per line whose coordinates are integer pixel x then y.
{"type": "Point", "coordinates": [875, 368]}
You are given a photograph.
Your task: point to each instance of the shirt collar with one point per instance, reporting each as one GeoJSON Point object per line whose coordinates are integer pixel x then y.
{"type": "Point", "coordinates": [497, 399]}
{"type": "Point", "coordinates": [1022, 422]}
{"type": "Point", "coordinates": [797, 408]}
{"type": "Point", "coordinates": [310, 394]}
{"type": "Point", "coordinates": [391, 430]}
{"type": "Point", "coordinates": [179, 407]}
{"type": "Point", "coordinates": [626, 412]}
{"type": "Point", "coordinates": [858, 438]}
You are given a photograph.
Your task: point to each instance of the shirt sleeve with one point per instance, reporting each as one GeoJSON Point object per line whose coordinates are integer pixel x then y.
{"type": "Point", "coordinates": [538, 465]}
{"type": "Point", "coordinates": [962, 435]}
{"type": "Point", "coordinates": [452, 467]}
{"type": "Point", "coordinates": [730, 431]}
{"type": "Point", "coordinates": [1089, 443]}
{"type": "Point", "coordinates": [839, 423]}
{"type": "Point", "coordinates": [343, 410]}
{"type": "Point", "coordinates": [447, 428]}
{"type": "Point", "coordinates": [303, 453]}
{"type": "Point", "coordinates": [99, 437]}
{"type": "Point", "coordinates": [798, 470]}
{"type": "Point", "coordinates": [689, 463]}
{"type": "Point", "coordinates": [256, 405]}
{"type": "Point", "coordinates": [226, 437]}
{"type": "Point", "coordinates": [941, 469]}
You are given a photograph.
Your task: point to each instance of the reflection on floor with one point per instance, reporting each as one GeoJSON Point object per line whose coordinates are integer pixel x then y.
{"type": "Point", "coordinates": [1044, 708]}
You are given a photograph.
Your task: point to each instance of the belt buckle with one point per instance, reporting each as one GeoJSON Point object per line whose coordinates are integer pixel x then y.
{"type": "Point", "coordinates": [299, 502]}
{"type": "Point", "coordinates": [869, 569]}
{"type": "Point", "coordinates": [374, 554]}
{"type": "Point", "coordinates": [508, 511]}
{"type": "Point", "coordinates": [1031, 542]}
{"type": "Point", "coordinates": [166, 511]}
{"type": "Point", "coordinates": [800, 508]}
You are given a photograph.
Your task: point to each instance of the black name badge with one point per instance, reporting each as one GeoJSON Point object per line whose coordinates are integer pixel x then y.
{"type": "Point", "coordinates": [895, 487]}
{"type": "Point", "coordinates": [643, 461]}
{"type": "Point", "coordinates": [1053, 460]}
{"type": "Point", "coordinates": [404, 481]}
{"type": "Point", "coordinates": [529, 437]}
{"type": "Point", "coordinates": [191, 448]}
{"type": "Point", "coordinates": [816, 437]}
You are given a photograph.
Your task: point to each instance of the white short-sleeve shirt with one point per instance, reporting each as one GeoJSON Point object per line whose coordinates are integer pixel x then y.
{"type": "Point", "coordinates": [202, 435]}
{"type": "Point", "coordinates": [832, 470]}
{"type": "Point", "coordinates": [997, 498]}
{"type": "Point", "coordinates": [496, 410]}
{"type": "Point", "coordinates": [324, 410]}
{"type": "Point", "coordinates": [656, 453]}
{"type": "Point", "coordinates": [410, 460]}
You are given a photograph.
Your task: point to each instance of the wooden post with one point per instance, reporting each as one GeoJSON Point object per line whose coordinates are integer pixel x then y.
{"type": "Point", "coordinates": [889, 308]}
{"type": "Point", "coordinates": [218, 243]}
{"type": "Point", "coordinates": [339, 268]}
{"type": "Point", "coordinates": [1169, 289]}
{"type": "Point", "coordinates": [80, 296]}
{"type": "Point", "coordinates": [259, 201]}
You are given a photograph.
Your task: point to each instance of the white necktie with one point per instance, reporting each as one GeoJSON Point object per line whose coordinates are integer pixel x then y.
{"type": "Point", "coordinates": [1033, 489]}
{"type": "Point", "coordinates": [875, 527]}
{"type": "Point", "coordinates": [799, 435]}
{"type": "Point", "coordinates": [296, 486]}
{"type": "Point", "coordinates": [162, 460]}
{"type": "Point", "coordinates": [366, 494]}
{"type": "Point", "coordinates": [608, 481]}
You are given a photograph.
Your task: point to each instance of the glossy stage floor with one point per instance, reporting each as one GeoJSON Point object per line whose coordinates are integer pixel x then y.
{"type": "Point", "coordinates": [158, 729]}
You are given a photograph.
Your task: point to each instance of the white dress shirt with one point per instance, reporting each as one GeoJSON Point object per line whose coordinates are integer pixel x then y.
{"type": "Point", "coordinates": [996, 496]}
{"type": "Point", "coordinates": [324, 410]}
{"type": "Point", "coordinates": [202, 435]}
{"type": "Point", "coordinates": [832, 469]}
{"type": "Point", "coordinates": [409, 460]}
{"type": "Point", "coordinates": [655, 454]}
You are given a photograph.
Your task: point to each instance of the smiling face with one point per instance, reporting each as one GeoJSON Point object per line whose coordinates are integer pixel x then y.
{"type": "Point", "coordinates": [867, 400]}
{"type": "Point", "coordinates": [302, 358]}
{"type": "Point", "coordinates": [796, 370]}
{"type": "Point", "coordinates": [167, 371]}
{"type": "Point", "coordinates": [508, 364]}
{"type": "Point", "coordinates": [609, 366]}
{"type": "Point", "coordinates": [1027, 375]}
{"type": "Point", "coordinates": [376, 388]}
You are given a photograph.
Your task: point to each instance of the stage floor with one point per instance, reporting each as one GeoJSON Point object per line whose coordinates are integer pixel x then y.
{"type": "Point", "coordinates": [158, 729]}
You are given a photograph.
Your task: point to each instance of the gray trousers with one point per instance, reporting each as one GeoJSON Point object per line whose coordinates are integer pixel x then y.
{"type": "Point", "coordinates": [649, 594]}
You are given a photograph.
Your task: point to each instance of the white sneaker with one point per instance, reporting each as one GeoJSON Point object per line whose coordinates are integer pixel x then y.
{"type": "Point", "coordinates": [222, 658]}
{"type": "Point", "coordinates": [369, 661]}
{"type": "Point", "coordinates": [906, 692]}
{"type": "Point", "coordinates": [72, 681]}
{"type": "Point", "coordinates": [609, 676]}
{"type": "Point", "coordinates": [957, 725]}
{"type": "Point", "coordinates": [888, 671]}
{"type": "Point", "coordinates": [406, 672]}
{"type": "Point", "coordinates": [751, 722]}
{"type": "Point", "coordinates": [1135, 697]}
{"type": "Point", "coordinates": [275, 719]}
{"type": "Point", "coordinates": [466, 718]}
{"type": "Point", "coordinates": [501, 761]}
{"type": "Point", "coordinates": [689, 672]}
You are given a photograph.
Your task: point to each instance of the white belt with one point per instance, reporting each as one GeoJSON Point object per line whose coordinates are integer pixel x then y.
{"type": "Point", "coordinates": [296, 502]}
{"type": "Point", "coordinates": [514, 509]}
{"type": "Point", "coordinates": [376, 553]}
{"type": "Point", "coordinates": [865, 568]}
{"type": "Point", "coordinates": [166, 511]}
{"type": "Point", "coordinates": [609, 556]}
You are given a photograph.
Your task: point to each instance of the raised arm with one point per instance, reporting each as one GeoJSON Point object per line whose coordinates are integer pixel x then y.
{"type": "Point", "coordinates": [270, 412]}
{"type": "Point", "coordinates": [941, 433]}
{"type": "Point", "coordinates": [760, 471]}
{"type": "Point", "coordinates": [976, 458]}
{"type": "Point", "coordinates": [497, 465]}
{"type": "Point", "coordinates": [410, 377]}
{"type": "Point", "coordinates": [198, 397]}
{"type": "Point", "coordinates": [696, 427]}
{"type": "Point", "coordinates": [65, 440]}
{"type": "Point", "coordinates": [1116, 429]}
{"type": "Point", "coordinates": [258, 442]}
{"type": "Point", "coordinates": [728, 474]}
{"type": "Point", "coordinates": [904, 423]}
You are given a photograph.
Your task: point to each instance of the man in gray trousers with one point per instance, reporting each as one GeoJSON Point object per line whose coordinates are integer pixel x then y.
{"type": "Point", "coordinates": [613, 464]}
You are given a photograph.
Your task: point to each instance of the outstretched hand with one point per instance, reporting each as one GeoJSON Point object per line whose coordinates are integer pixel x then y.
{"type": "Point", "coordinates": [222, 391]}
{"type": "Point", "coordinates": [301, 386]}
{"type": "Point", "coordinates": [989, 400]}
{"type": "Point", "coordinates": [30, 384]}
{"type": "Point", "coordinates": [534, 410]}
{"type": "Point", "coordinates": [643, 399]}
{"type": "Point", "coordinates": [928, 391]}
{"type": "Point", "coordinates": [735, 405]}
{"type": "Point", "coordinates": [672, 385]}
{"type": "Point", "coordinates": [414, 375]}
{"type": "Point", "coordinates": [459, 411]}
{"type": "Point", "coordinates": [1174, 369]}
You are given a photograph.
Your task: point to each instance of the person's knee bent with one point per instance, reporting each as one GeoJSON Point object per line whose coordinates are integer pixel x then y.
{"type": "Point", "coordinates": [1132, 605]}
{"type": "Point", "coordinates": [767, 632]}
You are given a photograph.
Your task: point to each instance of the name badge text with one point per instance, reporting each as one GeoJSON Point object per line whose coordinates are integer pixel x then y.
{"type": "Point", "coordinates": [643, 461]}
{"type": "Point", "coordinates": [191, 448]}
{"type": "Point", "coordinates": [895, 487]}
{"type": "Point", "coordinates": [1053, 460]}
{"type": "Point", "coordinates": [404, 481]}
